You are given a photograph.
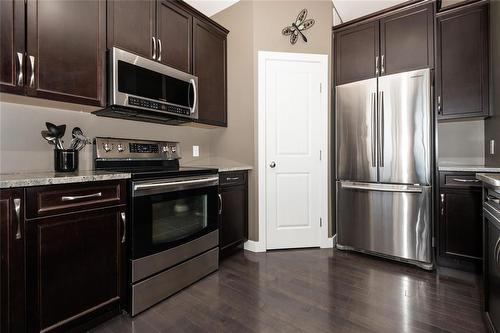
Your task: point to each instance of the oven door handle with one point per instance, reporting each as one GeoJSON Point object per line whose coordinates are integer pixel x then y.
{"type": "Point", "coordinates": [172, 186]}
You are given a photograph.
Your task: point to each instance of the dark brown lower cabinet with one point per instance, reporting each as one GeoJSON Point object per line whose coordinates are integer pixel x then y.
{"type": "Point", "coordinates": [12, 291]}
{"type": "Point", "coordinates": [74, 257]}
{"type": "Point", "coordinates": [460, 222]}
{"type": "Point", "coordinates": [233, 227]}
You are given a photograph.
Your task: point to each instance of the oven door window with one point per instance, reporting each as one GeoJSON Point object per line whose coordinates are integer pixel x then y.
{"type": "Point", "coordinates": [167, 220]}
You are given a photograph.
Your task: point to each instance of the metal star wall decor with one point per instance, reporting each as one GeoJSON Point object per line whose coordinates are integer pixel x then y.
{"type": "Point", "coordinates": [297, 27]}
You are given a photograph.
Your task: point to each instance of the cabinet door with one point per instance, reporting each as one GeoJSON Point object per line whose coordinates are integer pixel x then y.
{"type": "Point", "coordinates": [209, 65]}
{"type": "Point", "coordinates": [460, 230]}
{"type": "Point", "coordinates": [492, 269]}
{"type": "Point", "coordinates": [356, 53]}
{"type": "Point", "coordinates": [174, 36]}
{"type": "Point", "coordinates": [234, 216]}
{"type": "Point", "coordinates": [407, 40]}
{"type": "Point", "coordinates": [462, 63]}
{"type": "Point", "coordinates": [131, 26]}
{"type": "Point", "coordinates": [66, 50]}
{"type": "Point", "coordinates": [12, 61]}
{"type": "Point", "coordinates": [12, 290]}
{"type": "Point", "coordinates": [73, 267]}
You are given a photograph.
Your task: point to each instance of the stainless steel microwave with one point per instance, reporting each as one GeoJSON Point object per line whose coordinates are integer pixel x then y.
{"type": "Point", "coordinates": [146, 90]}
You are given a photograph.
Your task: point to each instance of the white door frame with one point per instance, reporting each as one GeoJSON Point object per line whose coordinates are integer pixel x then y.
{"type": "Point", "coordinates": [263, 57]}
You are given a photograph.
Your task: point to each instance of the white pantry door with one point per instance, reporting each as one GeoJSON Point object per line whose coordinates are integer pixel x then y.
{"type": "Point", "coordinates": [294, 134]}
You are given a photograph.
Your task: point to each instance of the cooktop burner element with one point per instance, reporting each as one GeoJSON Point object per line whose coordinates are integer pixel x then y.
{"type": "Point", "coordinates": [142, 158]}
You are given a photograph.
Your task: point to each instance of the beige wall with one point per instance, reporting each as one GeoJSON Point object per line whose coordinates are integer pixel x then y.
{"type": "Point", "coordinates": [461, 142]}
{"type": "Point", "coordinates": [260, 22]}
{"type": "Point", "coordinates": [22, 148]}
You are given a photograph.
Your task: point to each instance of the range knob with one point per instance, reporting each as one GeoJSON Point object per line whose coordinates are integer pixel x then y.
{"type": "Point", "coordinates": [164, 149]}
{"type": "Point", "coordinates": [120, 147]}
{"type": "Point", "coordinates": [174, 149]}
{"type": "Point", "coordinates": [107, 146]}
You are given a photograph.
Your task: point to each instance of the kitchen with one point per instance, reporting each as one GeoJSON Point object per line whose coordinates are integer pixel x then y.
{"type": "Point", "coordinates": [194, 202]}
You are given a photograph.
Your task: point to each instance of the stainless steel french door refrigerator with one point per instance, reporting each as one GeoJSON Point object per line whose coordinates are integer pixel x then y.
{"type": "Point", "coordinates": [384, 167]}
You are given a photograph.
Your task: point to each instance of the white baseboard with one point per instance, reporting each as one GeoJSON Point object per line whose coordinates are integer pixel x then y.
{"type": "Point", "coordinates": [328, 243]}
{"type": "Point", "coordinates": [254, 246]}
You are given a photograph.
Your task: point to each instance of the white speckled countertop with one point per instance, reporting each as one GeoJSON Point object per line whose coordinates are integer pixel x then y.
{"type": "Point", "coordinates": [223, 165]}
{"type": "Point", "coordinates": [489, 178]}
{"type": "Point", "coordinates": [467, 168]}
{"type": "Point", "coordinates": [8, 180]}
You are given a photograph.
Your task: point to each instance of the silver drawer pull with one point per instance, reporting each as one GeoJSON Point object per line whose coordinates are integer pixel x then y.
{"type": "Point", "coordinates": [232, 178]}
{"type": "Point", "coordinates": [79, 197]}
{"type": "Point", "coordinates": [32, 78]}
{"type": "Point", "coordinates": [17, 210]}
{"type": "Point", "coordinates": [466, 180]}
{"type": "Point", "coordinates": [493, 199]}
{"type": "Point", "coordinates": [20, 78]}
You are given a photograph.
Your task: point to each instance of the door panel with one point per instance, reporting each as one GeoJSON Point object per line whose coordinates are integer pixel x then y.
{"type": "Point", "coordinates": [136, 37]}
{"type": "Point", "coordinates": [407, 40]}
{"type": "Point", "coordinates": [293, 135]}
{"type": "Point", "coordinates": [376, 218]}
{"type": "Point", "coordinates": [356, 52]}
{"type": "Point", "coordinates": [404, 121]}
{"type": "Point", "coordinates": [209, 56]}
{"type": "Point", "coordinates": [462, 71]}
{"type": "Point", "coordinates": [66, 50]}
{"type": "Point", "coordinates": [356, 131]}
{"type": "Point", "coordinates": [174, 32]}
{"type": "Point", "coordinates": [12, 62]}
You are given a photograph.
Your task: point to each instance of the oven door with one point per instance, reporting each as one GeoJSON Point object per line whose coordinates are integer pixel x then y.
{"type": "Point", "coordinates": [170, 213]}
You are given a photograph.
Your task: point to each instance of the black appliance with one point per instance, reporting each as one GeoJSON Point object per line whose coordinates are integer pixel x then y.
{"type": "Point", "coordinates": [149, 91]}
{"type": "Point", "coordinates": [173, 217]}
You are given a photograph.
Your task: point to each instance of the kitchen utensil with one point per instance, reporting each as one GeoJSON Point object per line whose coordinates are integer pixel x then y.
{"type": "Point", "coordinates": [52, 139]}
{"type": "Point", "coordinates": [79, 140]}
{"type": "Point", "coordinates": [57, 132]}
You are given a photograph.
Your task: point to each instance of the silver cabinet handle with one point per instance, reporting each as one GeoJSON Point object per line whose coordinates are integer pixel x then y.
{"type": "Point", "coordinates": [17, 210]}
{"type": "Point", "coordinates": [272, 165]}
{"type": "Point", "coordinates": [159, 49]}
{"type": "Point", "coordinates": [154, 48]}
{"type": "Point", "coordinates": [491, 198]}
{"type": "Point", "coordinates": [381, 130]}
{"type": "Point", "coordinates": [495, 250]}
{"type": "Point", "coordinates": [466, 180]}
{"type": "Point", "coordinates": [442, 203]}
{"type": "Point", "coordinates": [124, 222]}
{"type": "Point", "coordinates": [220, 204]}
{"type": "Point", "coordinates": [383, 67]}
{"type": "Point", "coordinates": [79, 197]}
{"type": "Point", "coordinates": [374, 128]}
{"type": "Point", "coordinates": [439, 105]}
{"type": "Point", "coordinates": [376, 65]}
{"type": "Point", "coordinates": [20, 78]}
{"type": "Point", "coordinates": [232, 178]}
{"type": "Point", "coordinates": [32, 78]}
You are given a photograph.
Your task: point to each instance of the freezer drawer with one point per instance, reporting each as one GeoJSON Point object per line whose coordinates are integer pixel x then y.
{"type": "Point", "coordinates": [386, 219]}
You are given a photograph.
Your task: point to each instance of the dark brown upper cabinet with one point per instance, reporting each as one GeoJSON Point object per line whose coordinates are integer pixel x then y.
{"type": "Point", "coordinates": [12, 32]}
{"type": "Point", "coordinates": [131, 26]}
{"type": "Point", "coordinates": [407, 40]}
{"type": "Point", "coordinates": [12, 237]}
{"type": "Point", "coordinates": [174, 26]}
{"type": "Point", "coordinates": [66, 50]}
{"type": "Point", "coordinates": [209, 65]}
{"type": "Point", "coordinates": [394, 43]}
{"type": "Point", "coordinates": [462, 62]}
{"type": "Point", "coordinates": [356, 53]}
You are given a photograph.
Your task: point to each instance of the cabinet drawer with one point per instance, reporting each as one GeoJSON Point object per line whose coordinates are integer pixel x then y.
{"type": "Point", "coordinates": [59, 199]}
{"type": "Point", "coordinates": [459, 179]}
{"type": "Point", "coordinates": [233, 178]}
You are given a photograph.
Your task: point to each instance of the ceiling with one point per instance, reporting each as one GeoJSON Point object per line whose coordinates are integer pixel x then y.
{"type": "Point", "coordinates": [211, 7]}
{"type": "Point", "coordinates": [352, 9]}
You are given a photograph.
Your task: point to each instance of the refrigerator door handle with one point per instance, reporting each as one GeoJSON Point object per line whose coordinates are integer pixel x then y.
{"type": "Point", "coordinates": [382, 187]}
{"type": "Point", "coordinates": [381, 130]}
{"type": "Point", "coordinates": [374, 128]}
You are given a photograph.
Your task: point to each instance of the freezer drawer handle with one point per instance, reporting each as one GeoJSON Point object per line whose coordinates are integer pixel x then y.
{"type": "Point", "coordinates": [466, 180]}
{"type": "Point", "coordinates": [383, 189]}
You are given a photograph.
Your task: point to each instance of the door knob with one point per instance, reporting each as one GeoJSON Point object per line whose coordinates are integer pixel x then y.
{"type": "Point", "coordinates": [272, 165]}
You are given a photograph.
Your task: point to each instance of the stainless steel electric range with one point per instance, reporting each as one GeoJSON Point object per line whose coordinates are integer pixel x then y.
{"type": "Point", "coordinates": [173, 217]}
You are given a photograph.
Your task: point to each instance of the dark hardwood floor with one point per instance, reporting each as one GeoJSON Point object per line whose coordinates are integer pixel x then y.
{"type": "Point", "coordinates": [315, 291]}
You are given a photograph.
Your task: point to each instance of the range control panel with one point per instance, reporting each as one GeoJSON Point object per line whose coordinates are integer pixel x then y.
{"type": "Point", "coordinates": [116, 148]}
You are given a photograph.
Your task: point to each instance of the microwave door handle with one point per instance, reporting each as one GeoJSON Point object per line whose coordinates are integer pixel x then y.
{"type": "Point", "coordinates": [195, 94]}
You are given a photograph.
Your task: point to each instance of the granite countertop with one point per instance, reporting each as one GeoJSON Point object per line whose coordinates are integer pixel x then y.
{"type": "Point", "coordinates": [468, 168]}
{"type": "Point", "coordinates": [37, 178]}
{"type": "Point", "coordinates": [489, 178]}
{"type": "Point", "coordinates": [223, 165]}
